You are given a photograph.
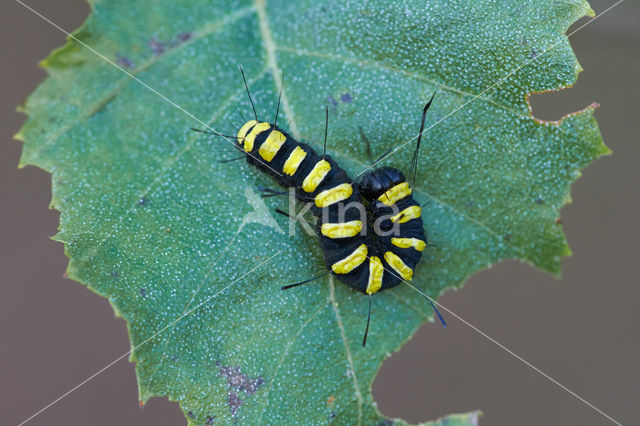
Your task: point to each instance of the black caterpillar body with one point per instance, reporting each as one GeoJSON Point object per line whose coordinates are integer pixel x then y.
{"type": "Point", "coordinates": [360, 250]}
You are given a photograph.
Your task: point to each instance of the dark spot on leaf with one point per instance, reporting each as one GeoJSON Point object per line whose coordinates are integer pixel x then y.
{"type": "Point", "coordinates": [539, 201]}
{"type": "Point", "coordinates": [190, 413]}
{"type": "Point", "coordinates": [209, 420]}
{"type": "Point", "coordinates": [534, 53]}
{"type": "Point", "coordinates": [142, 292]}
{"type": "Point", "coordinates": [182, 37]}
{"type": "Point", "coordinates": [173, 358]}
{"type": "Point", "coordinates": [507, 237]}
{"type": "Point", "coordinates": [156, 46]}
{"type": "Point", "coordinates": [238, 382]}
{"type": "Point", "coordinates": [469, 204]}
{"type": "Point", "coordinates": [124, 61]}
{"type": "Point", "coordinates": [234, 402]}
{"type": "Point", "coordinates": [142, 201]}
{"type": "Point", "coordinates": [346, 98]}
{"type": "Point", "coordinates": [332, 103]}
{"type": "Point", "coordinates": [332, 415]}
{"type": "Point", "coordinates": [115, 274]}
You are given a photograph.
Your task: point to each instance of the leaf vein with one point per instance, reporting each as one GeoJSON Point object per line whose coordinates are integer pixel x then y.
{"type": "Point", "coordinates": [284, 356]}
{"type": "Point", "coordinates": [343, 335]}
{"type": "Point", "coordinates": [272, 63]}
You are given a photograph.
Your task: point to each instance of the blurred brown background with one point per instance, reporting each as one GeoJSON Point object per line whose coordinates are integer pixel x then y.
{"type": "Point", "coordinates": [582, 329]}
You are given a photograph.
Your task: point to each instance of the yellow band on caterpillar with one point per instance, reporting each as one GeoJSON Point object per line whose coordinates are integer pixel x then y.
{"type": "Point", "coordinates": [398, 265]}
{"type": "Point", "coordinates": [293, 162]}
{"type": "Point", "coordinates": [351, 262]}
{"type": "Point", "coordinates": [257, 129]}
{"type": "Point", "coordinates": [316, 176]}
{"type": "Point", "coordinates": [395, 194]}
{"type": "Point", "coordinates": [271, 145]}
{"type": "Point", "coordinates": [341, 230]}
{"type": "Point", "coordinates": [376, 270]}
{"type": "Point", "coordinates": [407, 214]}
{"type": "Point", "coordinates": [417, 244]}
{"type": "Point", "coordinates": [334, 195]}
{"type": "Point", "coordinates": [244, 129]}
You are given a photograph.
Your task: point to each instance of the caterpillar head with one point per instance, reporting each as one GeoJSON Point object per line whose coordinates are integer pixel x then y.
{"type": "Point", "coordinates": [378, 181]}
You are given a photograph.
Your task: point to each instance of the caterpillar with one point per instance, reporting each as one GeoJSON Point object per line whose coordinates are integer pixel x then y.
{"type": "Point", "coordinates": [370, 229]}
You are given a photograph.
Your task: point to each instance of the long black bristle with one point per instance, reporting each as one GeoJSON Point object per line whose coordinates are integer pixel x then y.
{"type": "Point", "coordinates": [326, 128]}
{"type": "Point", "coordinates": [427, 203]}
{"type": "Point", "coordinates": [366, 330]}
{"type": "Point", "coordinates": [275, 122]}
{"type": "Point", "coordinates": [288, 286]}
{"type": "Point", "coordinates": [270, 192]}
{"type": "Point", "coordinates": [229, 160]}
{"type": "Point", "coordinates": [414, 163]}
{"type": "Point", "coordinates": [444, 324]}
{"type": "Point", "coordinates": [214, 133]}
{"type": "Point", "coordinates": [299, 219]}
{"type": "Point", "coordinates": [246, 86]}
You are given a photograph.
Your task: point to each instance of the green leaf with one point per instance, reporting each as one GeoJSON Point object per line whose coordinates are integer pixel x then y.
{"type": "Point", "coordinates": [188, 254]}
